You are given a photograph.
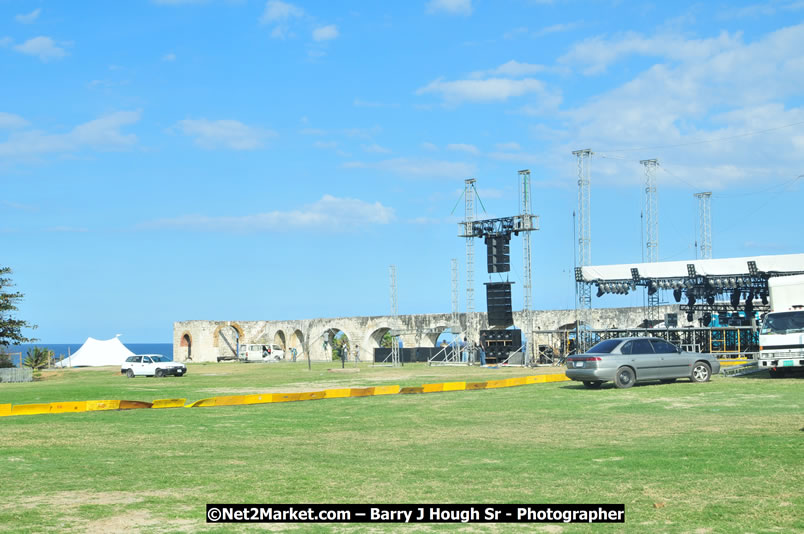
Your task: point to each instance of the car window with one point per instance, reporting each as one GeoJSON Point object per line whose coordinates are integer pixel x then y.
{"type": "Point", "coordinates": [641, 346]}
{"type": "Point", "coordinates": [604, 347]}
{"type": "Point", "coordinates": [663, 347]}
{"type": "Point", "coordinates": [146, 360]}
{"type": "Point", "coordinates": [627, 348]}
{"type": "Point", "coordinates": [131, 358]}
{"type": "Point", "coordinates": [137, 359]}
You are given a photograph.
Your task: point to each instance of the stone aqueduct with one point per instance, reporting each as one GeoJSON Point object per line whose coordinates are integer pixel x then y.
{"type": "Point", "coordinates": [206, 341]}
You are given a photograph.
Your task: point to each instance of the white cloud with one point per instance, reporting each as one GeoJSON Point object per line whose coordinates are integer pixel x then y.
{"type": "Point", "coordinates": [325, 33]}
{"type": "Point", "coordinates": [102, 133]}
{"type": "Point", "coordinates": [461, 147]}
{"type": "Point", "coordinates": [6, 41]}
{"type": "Point", "coordinates": [330, 214]}
{"type": "Point", "coordinates": [512, 69]}
{"type": "Point", "coordinates": [418, 168]}
{"type": "Point", "coordinates": [169, 57]}
{"type": "Point", "coordinates": [491, 89]}
{"type": "Point", "coordinates": [429, 146]}
{"type": "Point", "coordinates": [508, 146]}
{"type": "Point", "coordinates": [225, 133]}
{"type": "Point", "coordinates": [29, 17]}
{"type": "Point", "coordinates": [452, 7]}
{"type": "Point", "coordinates": [276, 11]}
{"type": "Point", "coordinates": [9, 120]}
{"type": "Point", "coordinates": [375, 149]}
{"type": "Point", "coordinates": [44, 48]}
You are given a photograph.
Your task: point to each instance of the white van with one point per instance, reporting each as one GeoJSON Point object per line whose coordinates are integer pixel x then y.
{"type": "Point", "coordinates": [250, 352]}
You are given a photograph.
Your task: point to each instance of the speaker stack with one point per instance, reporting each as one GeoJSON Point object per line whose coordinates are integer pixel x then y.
{"type": "Point", "coordinates": [499, 344]}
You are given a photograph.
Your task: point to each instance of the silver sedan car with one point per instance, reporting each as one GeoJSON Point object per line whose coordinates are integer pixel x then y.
{"type": "Point", "coordinates": [628, 360]}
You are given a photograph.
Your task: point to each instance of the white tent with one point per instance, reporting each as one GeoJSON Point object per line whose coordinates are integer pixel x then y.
{"type": "Point", "coordinates": [97, 352]}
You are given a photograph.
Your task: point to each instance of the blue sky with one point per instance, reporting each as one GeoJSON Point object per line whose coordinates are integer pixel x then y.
{"type": "Point", "coordinates": [243, 160]}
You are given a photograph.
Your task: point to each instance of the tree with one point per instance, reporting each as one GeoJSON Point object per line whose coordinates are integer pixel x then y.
{"type": "Point", "coordinates": [5, 360]}
{"type": "Point", "coordinates": [37, 358]}
{"type": "Point", "coordinates": [11, 327]}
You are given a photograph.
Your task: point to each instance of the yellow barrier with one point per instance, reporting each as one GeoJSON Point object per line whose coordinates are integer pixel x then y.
{"type": "Point", "coordinates": [454, 386]}
{"type": "Point", "coordinates": [95, 405]}
{"type": "Point", "coordinates": [65, 407]}
{"type": "Point", "coordinates": [285, 397]}
{"type": "Point", "coordinates": [265, 398]}
{"type": "Point", "coordinates": [134, 405]}
{"type": "Point", "coordinates": [386, 390]}
{"type": "Point", "coordinates": [517, 381]}
{"type": "Point", "coordinates": [202, 403]}
{"type": "Point", "coordinates": [230, 400]}
{"type": "Point", "coordinates": [260, 398]}
{"type": "Point", "coordinates": [432, 388]}
{"type": "Point", "coordinates": [30, 409]}
{"type": "Point", "coordinates": [313, 395]}
{"type": "Point", "coordinates": [168, 403]}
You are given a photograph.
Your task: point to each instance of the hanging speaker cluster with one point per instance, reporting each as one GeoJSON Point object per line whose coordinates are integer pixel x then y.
{"type": "Point", "coordinates": [498, 253]}
{"type": "Point", "coordinates": [498, 304]}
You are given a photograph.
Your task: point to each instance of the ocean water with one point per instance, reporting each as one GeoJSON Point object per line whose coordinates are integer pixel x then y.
{"type": "Point", "coordinates": [65, 349]}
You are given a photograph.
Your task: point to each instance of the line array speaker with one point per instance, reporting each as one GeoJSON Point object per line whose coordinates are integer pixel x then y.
{"type": "Point", "coordinates": [499, 344]}
{"type": "Point", "coordinates": [498, 253]}
{"type": "Point", "coordinates": [498, 304]}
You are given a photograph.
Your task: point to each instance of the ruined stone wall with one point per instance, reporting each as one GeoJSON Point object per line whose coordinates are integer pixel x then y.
{"type": "Point", "coordinates": [206, 341]}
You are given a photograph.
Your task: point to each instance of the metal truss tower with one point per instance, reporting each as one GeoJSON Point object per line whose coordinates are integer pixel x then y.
{"type": "Point", "coordinates": [455, 291]}
{"type": "Point", "coordinates": [651, 230]}
{"type": "Point", "coordinates": [469, 217]}
{"type": "Point", "coordinates": [525, 212]}
{"type": "Point", "coordinates": [392, 275]}
{"type": "Point", "coordinates": [705, 224]}
{"type": "Point", "coordinates": [583, 290]}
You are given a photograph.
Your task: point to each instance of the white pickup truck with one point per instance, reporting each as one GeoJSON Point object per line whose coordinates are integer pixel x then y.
{"type": "Point", "coordinates": [781, 340]}
{"type": "Point", "coordinates": [151, 365]}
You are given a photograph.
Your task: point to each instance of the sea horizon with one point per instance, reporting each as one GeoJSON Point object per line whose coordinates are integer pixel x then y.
{"type": "Point", "coordinates": [63, 350]}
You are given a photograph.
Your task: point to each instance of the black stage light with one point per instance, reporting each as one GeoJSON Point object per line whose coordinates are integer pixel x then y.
{"type": "Point", "coordinates": [710, 299]}
{"type": "Point", "coordinates": [652, 289]}
{"type": "Point", "coordinates": [677, 295]}
{"type": "Point", "coordinates": [735, 298]}
{"type": "Point", "coordinates": [599, 291]}
{"type": "Point", "coordinates": [749, 304]}
{"type": "Point", "coordinates": [764, 296]}
{"type": "Point", "coordinates": [689, 317]}
{"type": "Point", "coordinates": [691, 299]}
{"type": "Point", "coordinates": [706, 319]}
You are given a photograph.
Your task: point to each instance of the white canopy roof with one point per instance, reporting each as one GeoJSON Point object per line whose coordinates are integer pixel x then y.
{"type": "Point", "coordinates": [97, 352]}
{"type": "Point", "coordinates": [678, 269]}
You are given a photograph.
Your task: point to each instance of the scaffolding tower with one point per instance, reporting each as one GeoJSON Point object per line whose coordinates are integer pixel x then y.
{"type": "Point", "coordinates": [469, 217]}
{"type": "Point", "coordinates": [705, 224]}
{"type": "Point", "coordinates": [525, 211]}
{"type": "Point", "coordinates": [395, 356]}
{"type": "Point", "coordinates": [651, 231]}
{"type": "Point", "coordinates": [583, 291]}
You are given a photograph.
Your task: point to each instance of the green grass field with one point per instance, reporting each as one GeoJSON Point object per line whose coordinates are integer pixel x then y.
{"type": "Point", "coordinates": [718, 457]}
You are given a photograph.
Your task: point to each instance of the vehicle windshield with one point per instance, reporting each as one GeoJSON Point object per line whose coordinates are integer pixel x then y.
{"type": "Point", "coordinates": [605, 347]}
{"type": "Point", "coordinates": [783, 323]}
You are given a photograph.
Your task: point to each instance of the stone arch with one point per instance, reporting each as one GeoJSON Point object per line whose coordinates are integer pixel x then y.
{"type": "Point", "coordinates": [296, 342]}
{"type": "Point", "coordinates": [216, 335]}
{"type": "Point", "coordinates": [432, 335]}
{"type": "Point", "coordinates": [227, 338]}
{"type": "Point", "coordinates": [186, 347]}
{"type": "Point", "coordinates": [279, 339]}
{"type": "Point", "coordinates": [329, 335]}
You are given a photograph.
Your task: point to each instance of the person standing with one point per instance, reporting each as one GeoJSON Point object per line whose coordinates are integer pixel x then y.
{"type": "Point", "coordinates": [357, 353]}
{"type": "Point", "coordinates": [345, 351]}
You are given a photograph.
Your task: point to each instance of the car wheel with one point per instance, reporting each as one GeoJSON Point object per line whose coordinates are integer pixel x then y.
{"type": "Point", "coordinates": [700, 372]}
{"type": "Point", "coordinates": [624, 378]}
{"type": "Point", "coordinates": [592, 384]}
{"type": "Point", "coordinates": [130, 373]}
{"type": "Point", "coordinates": [668, 380]}
{"type": "Point", "coordinates": [159, 373]}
